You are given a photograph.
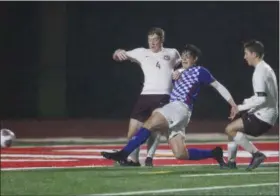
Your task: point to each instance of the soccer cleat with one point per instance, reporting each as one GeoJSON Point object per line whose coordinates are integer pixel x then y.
{"type": "Point", "coordinates": [218, 155]}
{"type": "Point", "coordinates": [257, 159]}
{"type": "Point", "coordinates": [117, 156]}
{"type": "Point", "coordinates": [149, 162]}
{"type": "Point", "coordinates": [231, 165]}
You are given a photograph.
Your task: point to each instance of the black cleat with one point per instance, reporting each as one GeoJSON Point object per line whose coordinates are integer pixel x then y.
{"type": "Point", "coordinates": [231, 165]}
{"type": "Point", "coordinates": [129, 163]}
{"type": "Point", "coordinates": [257, 159]}
{"type": "Point", "coordinates": [149, 162]}
{"type": "Point", "coordinates": [218, 155]}
{"type": "Point", "coordinates": [117, 156]}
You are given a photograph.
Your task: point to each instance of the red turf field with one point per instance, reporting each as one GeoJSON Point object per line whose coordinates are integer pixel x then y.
{"type": "Point", "coordinates": [89, 156]}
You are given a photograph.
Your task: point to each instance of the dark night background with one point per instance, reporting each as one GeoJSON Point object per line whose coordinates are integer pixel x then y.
{"type": "Point", "coordinates": [57, 56]}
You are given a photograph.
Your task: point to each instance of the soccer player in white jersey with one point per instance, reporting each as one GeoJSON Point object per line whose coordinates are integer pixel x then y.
{"type": "Point", "coordinates": [172, 118]}
{"type": "Point", "coordinates": [261, 110]}
{"type": "Point", "coordinates": [157, 64]}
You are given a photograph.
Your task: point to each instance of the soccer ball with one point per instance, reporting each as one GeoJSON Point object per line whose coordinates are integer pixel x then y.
{"type": "Point", "coordinates": [7, 138]}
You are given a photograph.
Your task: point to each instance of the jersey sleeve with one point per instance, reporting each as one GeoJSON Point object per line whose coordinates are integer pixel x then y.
{"type": "Point", "coordinates": [205, 77]}
{"type": "Point", "coordinates": [135, 54]}
{"type": "Point", "coordinates": [259, 83]}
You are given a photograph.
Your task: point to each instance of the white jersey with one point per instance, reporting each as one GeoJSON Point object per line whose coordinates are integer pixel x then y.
{"type": "Point", "coordinates": [157, 68]}
{"type": "Point", "coordinates": [264, 81]}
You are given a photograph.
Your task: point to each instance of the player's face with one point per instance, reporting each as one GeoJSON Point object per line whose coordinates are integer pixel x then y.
{"type": "Point", "coordinates": [155, 43]}
{"type": "Point", "coordinates": [187, 59]}
{"type": "Point", "coordinates": [249, 56]}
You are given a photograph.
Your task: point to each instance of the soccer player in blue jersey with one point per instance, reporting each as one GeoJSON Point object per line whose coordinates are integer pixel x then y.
{"type": "Point", "coordinates": [173, 118]}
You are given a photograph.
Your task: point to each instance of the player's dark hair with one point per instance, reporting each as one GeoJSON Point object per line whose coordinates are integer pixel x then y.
{"type": "Point", "coordinates": [158, 31]}
{"type": "Point", "coordinates": [255, 46]}
{"type": "Point", "coordinates": [194, 51]}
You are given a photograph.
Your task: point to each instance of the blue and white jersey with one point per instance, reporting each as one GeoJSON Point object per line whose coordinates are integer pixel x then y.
{"type": "Point", "coordinates": [187, 87]}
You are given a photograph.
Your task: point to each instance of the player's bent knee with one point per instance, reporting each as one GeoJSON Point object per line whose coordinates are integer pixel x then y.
{"type": "Point", "coordinates": [178, 147]}
{"type": "Point", "coordinates": [181, 156]}
{"type": "Point", "coordinates": [230, 130]}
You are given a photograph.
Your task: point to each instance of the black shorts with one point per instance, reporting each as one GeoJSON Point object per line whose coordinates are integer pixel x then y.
{"type": "Point", "coordinates": [146, 104]}
{"type": "Point", "coordinates": [254, 126]}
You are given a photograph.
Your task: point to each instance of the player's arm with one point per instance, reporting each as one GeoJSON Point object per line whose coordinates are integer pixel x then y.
{"type": "Point", "coordinates": [132, 55]}
{"type": "Point", "coordinates": [119, 55]}
{"type": "Point", "coordinates": [206, 78]}
{"type": "Point", "coordinates": [223, 91]}
{"type": "Point", "coordinates": [178, 59]}
{"type": "Point", "coordinates": [259, 93]}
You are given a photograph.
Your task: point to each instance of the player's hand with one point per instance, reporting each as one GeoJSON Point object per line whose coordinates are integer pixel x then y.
{"type": "Point", "coordinates": [176, 75]}
{"type": "Point", "coordinates": [233, 112]}
{"type": "Point", "coordinates": [120, 55]}
{"type": "Point", "coordinates": [115, 57]}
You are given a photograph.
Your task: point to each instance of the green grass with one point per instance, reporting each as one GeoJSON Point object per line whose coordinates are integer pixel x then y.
{"type": "Point", "coordinates": [120, 179]}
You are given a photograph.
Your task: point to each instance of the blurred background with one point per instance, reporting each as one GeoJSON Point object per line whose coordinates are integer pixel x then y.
{"type": "Point", "coordinates": [58, 78]}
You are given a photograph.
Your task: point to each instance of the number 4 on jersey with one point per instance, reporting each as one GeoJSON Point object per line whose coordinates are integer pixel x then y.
{"type": "Point", "coordinates": [158, 65]}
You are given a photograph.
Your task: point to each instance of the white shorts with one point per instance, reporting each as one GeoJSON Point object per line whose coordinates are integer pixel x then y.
{"type": "Point", "coordinates": [177, 115]}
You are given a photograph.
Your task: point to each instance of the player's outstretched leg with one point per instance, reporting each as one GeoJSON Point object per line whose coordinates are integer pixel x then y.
{"type": "Point", "coordinates": [155, 122]}
{"type": "Point", "coordinates": [121, 156]}
{"type": "Point", "coordinates": [177, 143]}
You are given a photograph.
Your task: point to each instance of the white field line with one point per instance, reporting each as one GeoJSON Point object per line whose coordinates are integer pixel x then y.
{"type": "Point", "coordinates": [49, 168]}
{"type": "Point", "coordinates": [96, 166]}
{"type": "Point", "coordinates": [185, 189]}
{"type": "Point", "coordinates": [37, 160]}
{"type": "Point", "coordinates": [226, 174]}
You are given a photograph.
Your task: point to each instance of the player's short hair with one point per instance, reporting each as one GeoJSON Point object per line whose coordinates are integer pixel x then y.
{"type": "Point", "coordinates": [194, 51]}
{"type": "Point", "coordinates": [255, 46]}
{"type": "Point", "coordinates": [158, 31]}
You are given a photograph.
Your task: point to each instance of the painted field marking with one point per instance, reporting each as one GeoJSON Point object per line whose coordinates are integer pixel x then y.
{"type": "Point", "coordinates": [50, 168]}
{"type": "Point", "coordinates": [50, 156]}
{"type": "Point", "coordinates": [9, 159]}
{"type": "Point", "coordinates": [77, 144]}
{"type": "Point", "coordinates": [184, 189]}
{"type": "Point", "coordinates": [35, 160]}
{"type": "Point", "coordinates": [155, 172]}
{"type": "Point", "coordinates": [226, 174]}
{"type": "Point", "coordinates": [111, 166]}
{"type": "Point", "coordinates": [209, 174]}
